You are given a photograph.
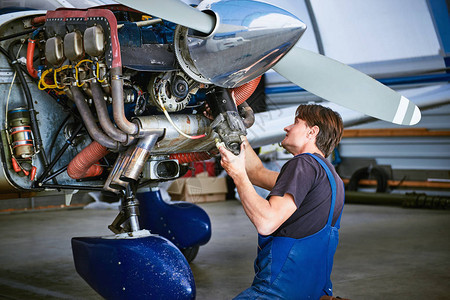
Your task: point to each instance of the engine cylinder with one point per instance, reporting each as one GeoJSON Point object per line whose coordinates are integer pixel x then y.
{"type": "Point", "coordinates": [54, 51]}
{"type": "Point", "coordinates": [94, 41]}
{"type": "Point", "coordinates": [73, 46]}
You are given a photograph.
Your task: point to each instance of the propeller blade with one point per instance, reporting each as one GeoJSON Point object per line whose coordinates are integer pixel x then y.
{"type": "Point", "coordinates": [341, 84]}
{"type": "Point", "coordinates": [174, 11]}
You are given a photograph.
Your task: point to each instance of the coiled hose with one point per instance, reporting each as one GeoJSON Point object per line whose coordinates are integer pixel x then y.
{"type": "Point", "coordinates": [85, 163]}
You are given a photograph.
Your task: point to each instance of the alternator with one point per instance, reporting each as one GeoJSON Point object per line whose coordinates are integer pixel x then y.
{"type": "Point", "coordinates": [170, 90]}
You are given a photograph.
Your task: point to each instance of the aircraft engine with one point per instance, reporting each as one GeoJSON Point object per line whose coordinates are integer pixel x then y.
{"type": "Point", "coordinates": [124, 93]}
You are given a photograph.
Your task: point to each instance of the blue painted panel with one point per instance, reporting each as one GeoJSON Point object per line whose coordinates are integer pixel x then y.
{"type": "Point", "coordinates": [183, 223]}
{"type": "Point", "coordinates": [141, 268]}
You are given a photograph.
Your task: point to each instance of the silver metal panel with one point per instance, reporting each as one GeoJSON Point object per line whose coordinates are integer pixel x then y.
{"type": "Point", "coordinates": [173, 141]}
{"type": "Point", "coordinates": [49, 116]}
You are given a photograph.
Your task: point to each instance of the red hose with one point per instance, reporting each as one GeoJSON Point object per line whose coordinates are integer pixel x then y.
{"type": "Point", "coordinates": [243, 92]}
{"type": "Point", "coordinates": [84, 164]}
{"type": "Point", "coordinates": [190, 157]}
{"type": "Point", "coordinates": [38, 20]}
{"type": "Point", "coordinates": [30, 56]}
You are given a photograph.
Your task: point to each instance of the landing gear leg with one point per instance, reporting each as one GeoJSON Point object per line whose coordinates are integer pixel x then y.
{"type": "Point", "coordinates": [133, 263]}
{"type": "Point", "coordinates": [127, 221]}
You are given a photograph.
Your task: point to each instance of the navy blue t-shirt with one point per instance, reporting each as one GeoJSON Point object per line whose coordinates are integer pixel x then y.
{"type": "Point", "coordinates": [306, 180]}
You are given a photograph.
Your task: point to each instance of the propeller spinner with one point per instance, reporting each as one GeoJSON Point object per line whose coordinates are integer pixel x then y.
{"type": "Point", "coordinates": [242, 39]}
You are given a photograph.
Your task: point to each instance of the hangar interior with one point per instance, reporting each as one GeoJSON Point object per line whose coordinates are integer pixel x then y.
{"type": "Point", "coordinates": [393, 243]}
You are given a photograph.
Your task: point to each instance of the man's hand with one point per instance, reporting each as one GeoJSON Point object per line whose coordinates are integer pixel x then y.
{"type": "Point", "coordinates": [233, 165]}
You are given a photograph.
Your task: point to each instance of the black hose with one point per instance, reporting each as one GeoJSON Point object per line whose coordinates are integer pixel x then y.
{"type": "Point", "coordinates": [7, 37]}
{"type": "Point", "coordinates": [29, 99]}
{"type": "Point", "coordinates": [364, 173]}
{"type": "Point", "coordinates": [72, 187]}
{"type": "Point", "coordinates": [246, 112]}
{"type": "Point", "coordinates": [66, 145]}
{"type": "Point", "coordinates": [408, 200]}
{"type": "Point", "coordinates": [56, 173]}
{"type": "Point", "coordinates": [415, 200]}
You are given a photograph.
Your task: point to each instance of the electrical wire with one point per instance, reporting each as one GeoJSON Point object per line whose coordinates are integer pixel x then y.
{"type": "Point", "coordinates": [9, 95]}
{"type": "Point", "coordinates": [7, 100]}
{"type": "Point", "coordinates": [97, 74]}
{"type": "Point", "coordinates": [6, 119]}
{"type": "Point", "coordinates": [195, 137]}
{"type": "Point", "coordinates": [42, 85]}
{"type": "Point", "coordinates": [76, 70]}
{"type": "Point", "coordinates": [30, 105]}
{"type": "Point", "coordinates": [56, 71]}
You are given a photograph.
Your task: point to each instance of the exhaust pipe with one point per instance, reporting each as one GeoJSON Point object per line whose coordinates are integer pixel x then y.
{"type": "Point", "coordinates": [118, 103]}
{"type": "Point", "coordinates": [140, 155]}
{"type": "Point", "coordinates": [88, 120]}
{"type": "Point", "coordinates": [105, 121]}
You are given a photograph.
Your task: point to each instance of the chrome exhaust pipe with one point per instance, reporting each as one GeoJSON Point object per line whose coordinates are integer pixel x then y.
{"type": "Point", "coordinates": [140, 155]}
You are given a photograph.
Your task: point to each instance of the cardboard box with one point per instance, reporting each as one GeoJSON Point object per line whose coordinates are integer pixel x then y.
{"type": "Point", "coordinates": [198, 189]}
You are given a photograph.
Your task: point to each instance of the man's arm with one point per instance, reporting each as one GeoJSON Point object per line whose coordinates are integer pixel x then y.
{"type": "Point", "coordinates": [267, 216]}
{"type": "Point", "coordinates": [257, 173]}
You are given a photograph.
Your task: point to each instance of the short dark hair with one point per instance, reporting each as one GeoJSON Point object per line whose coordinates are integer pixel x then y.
{"type": "Point", "coordinates": [329, 122]}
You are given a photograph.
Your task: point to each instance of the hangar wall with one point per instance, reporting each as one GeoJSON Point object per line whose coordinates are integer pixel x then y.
{"type": "Point", "coordinates": [401, 44]}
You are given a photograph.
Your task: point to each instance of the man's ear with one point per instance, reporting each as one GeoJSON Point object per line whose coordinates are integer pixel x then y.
{"type": "Point", "coordinates": [314, 131]}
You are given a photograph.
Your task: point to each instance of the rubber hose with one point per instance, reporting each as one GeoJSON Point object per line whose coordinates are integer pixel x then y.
{"type": "Point", "coordinates": [84, 164]}
{"type": "Point", "coordinates": [380, 176]}
{"type": "Point", "coordinates": [246, 112]}
{"type": "Point", "coordinates": [30, 55]}
{"type": "Point", "coordinates": [241, 93]}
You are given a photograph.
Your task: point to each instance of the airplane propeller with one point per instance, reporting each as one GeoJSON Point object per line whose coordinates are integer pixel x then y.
{"type": "Point", "coordinates": [341, 84]}
{"type": "Point", "coordinates": [318, 74]}
{"type": "Point", "coordinates": [174, 11]}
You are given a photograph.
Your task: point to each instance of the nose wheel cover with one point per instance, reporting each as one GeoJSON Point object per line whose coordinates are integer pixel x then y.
{"type": "Point", "coordinates": [141, 268]}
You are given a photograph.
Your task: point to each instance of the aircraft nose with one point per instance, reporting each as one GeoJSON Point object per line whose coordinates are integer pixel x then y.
{"type": "Point", "coordinates": [248, 39]}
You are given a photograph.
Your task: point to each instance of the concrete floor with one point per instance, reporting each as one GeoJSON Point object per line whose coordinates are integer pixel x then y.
{"type": "Point", "coordinates": [384, 253]}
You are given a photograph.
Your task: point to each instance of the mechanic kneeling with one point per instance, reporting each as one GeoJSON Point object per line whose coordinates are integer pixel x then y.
{"type": "Point", "coordinates": [298, 223]}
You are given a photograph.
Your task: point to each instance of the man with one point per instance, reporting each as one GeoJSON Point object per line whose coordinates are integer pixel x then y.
{"type": "Point", "coordinates": [298, 223]}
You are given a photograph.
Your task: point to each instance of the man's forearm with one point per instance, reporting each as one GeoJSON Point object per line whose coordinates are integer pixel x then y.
{"type": "Point", "coordinates": [257, 173]}
{"type": "Point", "coordinates": [266, 215]}
{"type": "Point", "coordinates": [256, 207]}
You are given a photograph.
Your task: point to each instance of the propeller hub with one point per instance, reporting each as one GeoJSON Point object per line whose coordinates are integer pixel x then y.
{"type": "Point", "coordinates": [248, 39]}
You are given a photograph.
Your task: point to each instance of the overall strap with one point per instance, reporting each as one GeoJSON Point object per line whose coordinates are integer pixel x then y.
{"type": "Point", "coordinates": [338, 222]}
{"type": "Point", "coordinates": [332, 183]}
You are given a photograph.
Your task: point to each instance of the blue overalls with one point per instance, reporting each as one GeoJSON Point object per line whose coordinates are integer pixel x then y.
{"type": "Point", "coordinates": [288, 268]}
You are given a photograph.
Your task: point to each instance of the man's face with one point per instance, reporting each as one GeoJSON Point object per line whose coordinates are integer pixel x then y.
{"type": "Point", "coordinates": [296, 136]}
